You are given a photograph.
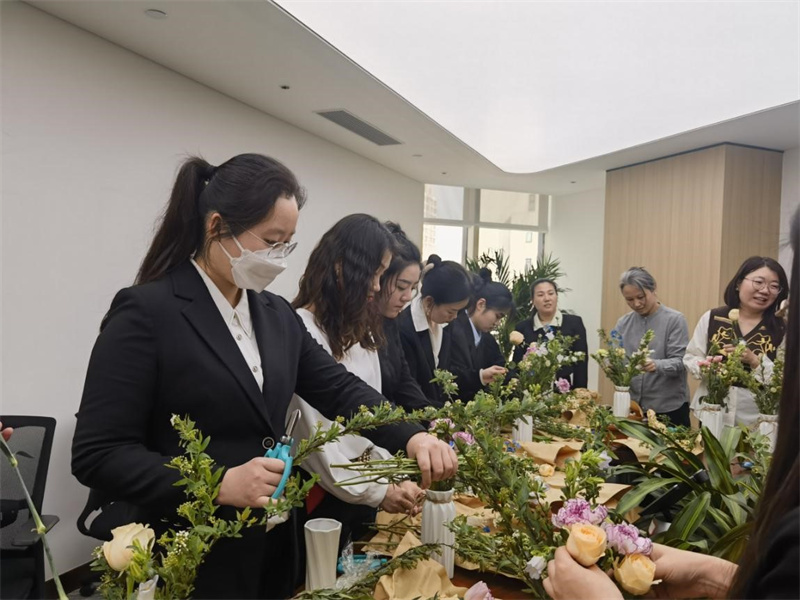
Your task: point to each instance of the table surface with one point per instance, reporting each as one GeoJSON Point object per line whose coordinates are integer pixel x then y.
{"type": "Point", "coordinates": [501, 586]}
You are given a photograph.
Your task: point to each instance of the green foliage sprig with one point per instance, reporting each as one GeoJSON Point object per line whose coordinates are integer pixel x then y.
{"type": "Point", "coordinates": [618, 366]}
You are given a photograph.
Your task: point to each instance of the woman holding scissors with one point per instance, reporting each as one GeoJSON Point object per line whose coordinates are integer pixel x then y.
{"type": "Point", "coordinates": [198, 336]}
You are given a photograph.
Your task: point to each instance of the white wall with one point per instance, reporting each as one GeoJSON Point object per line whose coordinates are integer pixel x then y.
{"type": "Point", "coordinates": [790, 201]}
{"type": "Point", "coordinates": [576, 239]}
{"type": "Point", "coordinates": [92, 137]}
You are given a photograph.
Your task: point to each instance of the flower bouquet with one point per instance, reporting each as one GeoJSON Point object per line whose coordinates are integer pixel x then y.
{"type": "Point", "coordinates": [614, 360]}
{"type": "Point", "coordinates": [542, 361]}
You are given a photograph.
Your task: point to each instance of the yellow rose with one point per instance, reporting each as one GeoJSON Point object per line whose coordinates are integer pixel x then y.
{"type": "Point", "coordinates": [516, 338]}
{"type": "Point", "coordinates": [119, 551]}
{"type": "Point", "coordinates": [635, 574]}
{"type": "Point", "coordinates": [586, 543]}
{"type": "Point", "coordinates": [733, 314]}
{"type": "Point", "coordinates": [546, 470]}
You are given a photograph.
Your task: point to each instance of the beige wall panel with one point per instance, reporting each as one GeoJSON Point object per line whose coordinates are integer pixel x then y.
{"type": "Point", "coordinates": [751, 214]}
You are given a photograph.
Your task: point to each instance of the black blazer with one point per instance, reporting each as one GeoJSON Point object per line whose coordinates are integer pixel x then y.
{"type": "Point", "coordinates": [397, 383]}
{"type": "Point", "coordinates": [571, 325]}
{"type": "Point", "coordinates": [164, 348]}
{"type": "Point", "coordinates": [419, 355]}
{"type": "Point", "coordinates": [469, 359]}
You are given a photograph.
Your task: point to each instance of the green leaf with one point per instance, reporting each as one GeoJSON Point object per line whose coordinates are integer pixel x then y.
{"type": "Point", "coordinates": [730, 441]}
{"type": "Point", "coordinates": [718, 464]}
{"type": "Point", "coordinates": [731, 544]}
{"type": "Point", "coordinates": [688, 519]}
{"type": "Point", "coordinates": [635, 496]}
{"type": "Point", "coordinates": [735, 509]}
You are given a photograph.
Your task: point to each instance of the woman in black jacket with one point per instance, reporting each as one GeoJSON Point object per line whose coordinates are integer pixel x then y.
{"type": "Point", "coordinates": [546, 318]}
{"type": "Point", "coordinates": [477, 358]}
{"type": "Point", "coordinates": [198, 335]}
{"type": "Point", "coordinates": [426, 338]}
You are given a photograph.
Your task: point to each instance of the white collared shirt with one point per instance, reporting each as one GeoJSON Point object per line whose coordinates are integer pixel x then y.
{"type": "Point", "coordinates": [476, 335]}
{"type": "Point", "coordinates": [435, 330]}
{"type": "Point", "coordinates": [240, 324]}
{"type": "Point", "coordinates": [555, 322]}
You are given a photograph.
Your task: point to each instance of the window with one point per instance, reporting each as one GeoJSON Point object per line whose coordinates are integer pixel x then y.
{"type": "Point", "coordinates": [464, 223]}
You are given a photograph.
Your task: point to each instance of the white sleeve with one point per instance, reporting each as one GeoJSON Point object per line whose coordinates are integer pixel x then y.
{"type": "Point", "coordinates": [764, 371]}
{"type": "Point", "coordinates": [343, 451]}
{"type": "Point", "coordinates": [698, 346]}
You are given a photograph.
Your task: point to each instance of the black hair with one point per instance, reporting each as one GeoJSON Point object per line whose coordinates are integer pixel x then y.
{"type": "Point", "coordinates": [242, 190]}
{"type": "Point", "coordinates": [496, 295]}
{"type": "Point", "coordinates": [538, 282]}
{"type": "Point", "coordinates": [445, 281]}
{"type": "Point", "coordinates": [405, 253]}
{"type": "Point", "coordinates": [781, 493]}
{"type": "Point", "coordinates": [731, 295]}
{"type": "Point", "coordinates": [338, 281]}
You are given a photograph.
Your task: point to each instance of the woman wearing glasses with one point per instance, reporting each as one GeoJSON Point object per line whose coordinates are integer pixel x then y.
{"type": "Point", "coordinates": [756, 291]}
{"type": "Point", "coordinates": [197, 335]}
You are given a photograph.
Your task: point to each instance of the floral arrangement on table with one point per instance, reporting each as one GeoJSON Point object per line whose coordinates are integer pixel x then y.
{"type": "Point", "coordinates": [132, 567]}
{"type": "Point", "coordinates": [538, 367]}
{"type": "Point", "coordinates": [614, 360]}
{"type": "Point", "coordinates": [766, 386]}
{"type": "Point", "coordinates": [720, 371]}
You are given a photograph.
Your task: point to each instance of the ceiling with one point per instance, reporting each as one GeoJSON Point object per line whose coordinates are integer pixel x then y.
{"type": "Point", "coordinates": [250, 50]}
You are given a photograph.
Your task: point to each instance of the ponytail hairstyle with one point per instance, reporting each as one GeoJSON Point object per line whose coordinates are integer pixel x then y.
{"type": "Point", "coordinates": [338, 279]}
{"type": "Point", "coordinates": [496, 295]}
{"type": "Point", "coordinates": [243, 191]}
{"type": "Point", "coordinates": [404, 255]}
{"type": "Point", "coordinates": [446, 282]}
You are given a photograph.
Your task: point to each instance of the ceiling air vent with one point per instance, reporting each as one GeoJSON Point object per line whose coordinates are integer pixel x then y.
{"type": "Point", "coordinates": [352, 123]}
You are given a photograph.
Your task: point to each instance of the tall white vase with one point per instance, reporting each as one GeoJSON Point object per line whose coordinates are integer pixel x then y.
{"type": "Point", "coordinates": [322, 548]}
{"type": "Point", "coordinates": [523, 430]}
{"type": "Point", "coordinates": [712, 416]}
{"type": "Point", "coordinates": [622, 402]}
{"type": "Point", "coordinates": [438, 510]}
{"type": "Point", "coordinates": [768, 426]}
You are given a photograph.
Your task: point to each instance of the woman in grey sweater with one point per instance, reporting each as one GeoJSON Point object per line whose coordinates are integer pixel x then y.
{"type": "Point", "coordinates": [663, 385]}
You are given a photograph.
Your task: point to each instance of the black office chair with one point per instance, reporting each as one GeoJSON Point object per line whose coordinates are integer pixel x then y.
{"type": "Point", "coordinates": [21, 549]}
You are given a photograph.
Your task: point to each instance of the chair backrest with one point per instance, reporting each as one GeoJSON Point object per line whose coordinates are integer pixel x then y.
{"type": "Point", "coordinates": [31, 442]}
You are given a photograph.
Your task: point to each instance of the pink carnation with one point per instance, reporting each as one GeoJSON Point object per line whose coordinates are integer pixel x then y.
{"type": "Point", "coordinates": [562, 385]}
{"type": "Point", "coordinates": [465, 437]}
{"type": "Point", "coordinates": [578, 510]}
{"type": "Point", "coordinates": [625, 539]}
{"type": "Point", "coordinates": [435, 423]}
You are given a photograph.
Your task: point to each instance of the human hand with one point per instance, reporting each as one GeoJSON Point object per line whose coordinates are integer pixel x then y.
{"type": "Point", "coordinates": [687, 574]}
{"type": "Point", "coordinates": [649, 366]}
{"type": "Point", "coordinates": [6, 433]}
{"type": "Point", "coordinates": [403, 497]}
{"type": "Point", "coordinates": [436, 459]}
{"type": "Point", "coordinates": [748, 356]}
{"type": "Point", "coordinates": [488, 374]}
{"type": "Point", "coordinates": [251, 484]}
{"type": "Point", "coordinates": [568, 579]}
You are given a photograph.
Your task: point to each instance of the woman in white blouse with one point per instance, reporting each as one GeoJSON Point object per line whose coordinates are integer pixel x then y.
{"type": "Point", "coordinates": [337, 304]}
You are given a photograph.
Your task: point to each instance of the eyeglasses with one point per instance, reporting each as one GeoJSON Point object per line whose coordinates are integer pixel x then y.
{"type": "Point", "coordinates": [278, 249]}
{"type": "Point", "coordinates": [759, 284]}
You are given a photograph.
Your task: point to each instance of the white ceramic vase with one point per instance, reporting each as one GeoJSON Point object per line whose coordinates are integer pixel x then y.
{"type": "Point", "coordinates": [768, 426]}
{"type": "Point", "coordinates": [712, 416]}
{"type": "Point", "coordinates": [322, 549]}
{"type": "Point", "coordinates": [438, 510]}
{"type": "Point", "coordinates": [523, 430]}
{"type": "Point", "coordinates": [622, 402]}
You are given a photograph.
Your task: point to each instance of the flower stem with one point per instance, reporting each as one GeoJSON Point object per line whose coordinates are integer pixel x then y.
{"type": "Point", "coordinates": [40, 528]}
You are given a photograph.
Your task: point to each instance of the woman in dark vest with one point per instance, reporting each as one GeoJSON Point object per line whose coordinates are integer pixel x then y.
{"type": "Point", "coordinates": [756, 292]}
{"type": "Point", "coordinates": [427, 340]}
{"type": "Point", "coordinates": [546, 318]}
{"type": "Point", "coordinates": [477, 358]}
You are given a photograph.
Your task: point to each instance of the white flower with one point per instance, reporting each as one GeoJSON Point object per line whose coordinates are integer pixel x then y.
{"type": "Point", "coordinates": [147, 590]}
{"type": "Point", "coordinates": [535, 567]}
{"type": "Point", "coordinates": [119, 551]}
{"type": "Point", "coordinates": [516, 338]}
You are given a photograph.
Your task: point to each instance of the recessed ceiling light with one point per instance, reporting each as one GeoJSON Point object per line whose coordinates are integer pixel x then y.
{"type": "Point", "coordinates": [154, 13]}
{"type": "Point", "coordinates": [286, 87]}
{"type": "Point", "coordinates": [444, 172]}
{"type": "Point", "coordinates": [573, 182]}
{"type": "Point", "coordinates": [416, 156]}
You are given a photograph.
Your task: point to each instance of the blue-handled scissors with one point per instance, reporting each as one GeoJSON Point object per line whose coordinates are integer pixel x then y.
{"type": "Point", "coordinates": [283, 451]}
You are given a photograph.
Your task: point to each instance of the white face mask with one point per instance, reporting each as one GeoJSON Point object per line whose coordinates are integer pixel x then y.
{"type": "Point", "coordinates": [254, 270]}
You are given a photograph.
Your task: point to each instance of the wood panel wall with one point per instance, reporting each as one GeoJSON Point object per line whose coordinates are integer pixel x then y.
{"type": "Point", "coordinates": [690, 220]}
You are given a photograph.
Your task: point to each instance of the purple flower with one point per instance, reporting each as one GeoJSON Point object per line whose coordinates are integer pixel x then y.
{"type": "Point", "coordinates": [435, 424]}
{"type": "Point", "coordinates": [625, 539]}
{"type": "Point", "coordinates": [578, 510]}
{"type": "Point", "coordinates": [562, 385]}
{"type": "Point", "coordinates": [465, 437]}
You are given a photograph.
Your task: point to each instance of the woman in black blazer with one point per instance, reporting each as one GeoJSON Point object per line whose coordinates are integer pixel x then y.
{"type": "Point", "coordinates": [194, 337]}
{"type": "Point", "coordinates": [477, 358]}
{"type": "Point", "coordinates": [426, 338]}
{"type": "Point", "coordinates": [547, 318]}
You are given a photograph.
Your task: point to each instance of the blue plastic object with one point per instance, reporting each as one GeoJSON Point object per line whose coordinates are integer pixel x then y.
{"type": "Point", "coordinates": [360, 558]}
